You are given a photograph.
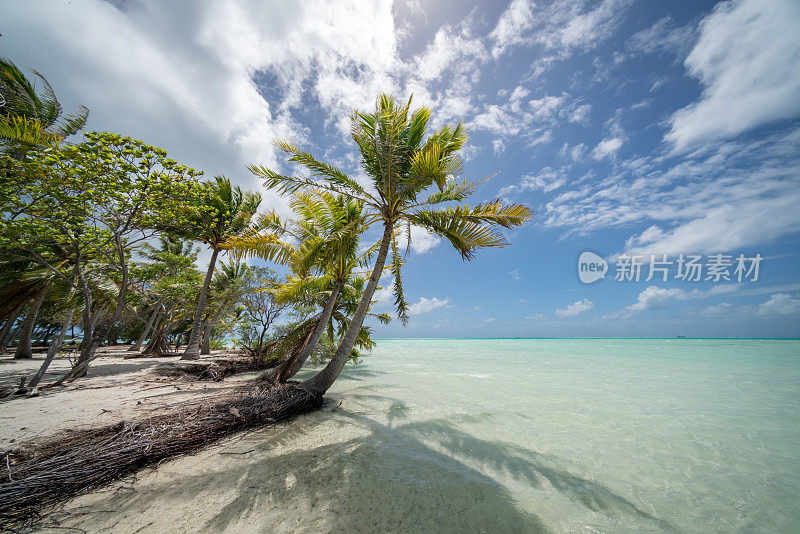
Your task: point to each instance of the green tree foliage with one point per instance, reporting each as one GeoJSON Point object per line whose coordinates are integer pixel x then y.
{"type": "Point", "coordinates": [29, 118]}
{"type": "Point", "coordinates": [414, 182]}
{"type": "Point", "coordinates": [219, 213]}
{"type": "Point", "coordinates": [93, 202]}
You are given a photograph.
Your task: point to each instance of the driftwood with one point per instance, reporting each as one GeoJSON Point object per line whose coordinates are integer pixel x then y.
{"type": "Point", "coordinates": [38, 475]}
{"type": "Point", "coordinates": [216, 370]}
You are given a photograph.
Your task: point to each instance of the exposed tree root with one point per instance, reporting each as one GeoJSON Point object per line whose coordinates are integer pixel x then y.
{"type": "Point", "coordinates": [36, 476]}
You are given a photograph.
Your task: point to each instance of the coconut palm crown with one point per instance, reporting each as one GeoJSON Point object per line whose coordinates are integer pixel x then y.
{"type": "Point", "coordinates": [29, 118]}
{"type": "Point", "coordinates": [221, 212]}
{"type": "Point", "coordinates": [414, 181]}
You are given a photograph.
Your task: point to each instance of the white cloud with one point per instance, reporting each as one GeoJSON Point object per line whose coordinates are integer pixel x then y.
{"type": "Point", "coordinates": [720, 309]}
{"type": "Point", "coordinates": [569, 26]}
{"type": "Point", "coordinates": [662, 37]}
{"type": "Point", "coordinates": [535, 317]}
{"type": "Point", "coordinates": [653, 298]}
{"type": "Point", "coordinates": [779, 304]}
{"type": "Point", "coordinates": [449, 49]}
{"type": "Point", "coordinates": [725, 228]}
{"type": "Point", "coordinates": [575, 308]}
{"type": "Point", "coordinates": [546, 106]}
{"type": "Point", "coordinates": [425, 305]}
{"type": "Point", "coordinates": [514, 274]}
{"type": "Point", "coordinates": [577, 152]}
{"type": "Point", "coordinates": [607, 147]}
{"type": "Point", "coordinates": [656, 298]}
{"type": "Point", "coordinates": [546, 180]}
{"type": "Point", "coordinates": [383, 296]}
{"type": "Point", "coordinates": [422, 240]}
{"type": "Point", "coordinates": [498, 147]}
{"type": "Point", "coordinates": [182, 76]}
{"type": "Point", "coordinates": [489, 320]}
{"type": "Point", "coordinates": [733, 195]}
{"type": "Point", "coordinates": [746, 58]}
{"type": "Point", "coordinates": [511, 26]}
{"type": "Point", "coordinates": [580, 113]}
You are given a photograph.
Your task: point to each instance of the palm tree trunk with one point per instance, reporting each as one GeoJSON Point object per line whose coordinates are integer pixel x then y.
{"type": "Point", "coordinates": [157, 344]}
{"type": "Point", "coordinates": [205, 343]}
{"type": "Point", "coordinates": [53, 350]}
{"type": "Point", "coordinates": [24, 351]}
{"type": "Point", "coordinates": [290, 368]}
{"type": "Point", "coordinates": [323, 380]}
{"type": "Point", "coordinates": [88, 345]}
{"type": "Point", "coordinates": [192, 351]}
{"type": "Point", "coordinates": [5, 333]}
{"type": "Point", "coordinates": [139, 342]}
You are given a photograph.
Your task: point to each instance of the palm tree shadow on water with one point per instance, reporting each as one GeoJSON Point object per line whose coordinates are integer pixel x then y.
{"type": "Point", "coordinates": [380, 478]}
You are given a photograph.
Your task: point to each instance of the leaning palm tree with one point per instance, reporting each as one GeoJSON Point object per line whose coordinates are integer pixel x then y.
{"type": "Point", "coordinates": [402, 165]}
{"type": "Point", "coordinates": [322, 254]}
{"type": "Point", "coordinates": [223, 211]}
{"type": "Point", "coordinates": [225, 291]}
{"type": "Point", "coordinates": [29, 118]}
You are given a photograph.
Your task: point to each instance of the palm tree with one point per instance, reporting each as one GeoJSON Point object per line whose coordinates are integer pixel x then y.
{"type": "Point", "coordinates": [28, 118]}
{"type": "Point", "coordinates": [327, 229]}
{"type": "Point", "coordinates": [402, 165]}
{"type": "Point", "coordinates": [172, 255]}
{"type": "Point", "coordinates": [225, 292]}
{"type": "Point", "coordinates": [223, 212]}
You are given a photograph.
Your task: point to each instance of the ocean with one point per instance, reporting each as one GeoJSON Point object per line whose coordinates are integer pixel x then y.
{"type": "Point", "coordinates": [568, 435]}
{"type": "Point", "coordinates": [504, 435]}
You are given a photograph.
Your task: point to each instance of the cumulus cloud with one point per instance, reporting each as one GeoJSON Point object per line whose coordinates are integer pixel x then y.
{"type": "Point", "coordinates": [657, 298]}
{"type": "Point", "coordinates": [183, 76]}
{"type": "Point", "coordinates": [383, 296]}
{"type": "Point", "coordinates": [422, 240]}
{"type": "Point", "coordinates": [779, 304]}
{"type": "Point", "coordinates": [746, 59]}
{"type": "Point", "coordinates": [575, 308]}
{"type": "Point", "coordinates": [425, 305]}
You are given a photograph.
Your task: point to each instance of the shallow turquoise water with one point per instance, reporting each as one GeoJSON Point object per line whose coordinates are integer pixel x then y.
{"type": "Point", "coordinates": [576, 435]}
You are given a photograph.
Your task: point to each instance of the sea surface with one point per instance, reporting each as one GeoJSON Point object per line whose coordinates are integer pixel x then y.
{"type": "Point", "coordinates": [564, 435]}
{"type": "Point", "coordinates": [503, 435]}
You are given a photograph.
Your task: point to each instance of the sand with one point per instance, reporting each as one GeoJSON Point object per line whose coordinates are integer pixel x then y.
{"type": "Point", "coordinates": [115, 389]}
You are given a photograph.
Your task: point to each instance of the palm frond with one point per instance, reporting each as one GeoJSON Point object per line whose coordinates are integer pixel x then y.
{"type": "Point", "coordinates": [319, 168]}
{"type": "Point", "coordinates": [260, 244]}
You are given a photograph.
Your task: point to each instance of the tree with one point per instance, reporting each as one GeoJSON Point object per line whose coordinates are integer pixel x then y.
{"type": "Point", "coordinates": [261, 309]}
{"type": "Point", "coordinates": [402, 165]}
{"type": "Point", "coordinates": [170, 283]}
{"type": "Point", "coordinates": [95, 200]}
{"type": "Point", "coordinates": [326, 230]}
{"type": "Point", "coordinates": [28, 118]}
{"type": "Point", "coordinates": [222, 212]}
{"type": "Point", "coordinates": [227, 290]}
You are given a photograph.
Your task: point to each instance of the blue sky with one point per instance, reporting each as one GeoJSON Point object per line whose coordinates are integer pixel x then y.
{"type": "Point", "coordinates": [632, 128]}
